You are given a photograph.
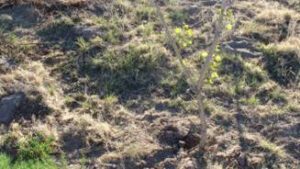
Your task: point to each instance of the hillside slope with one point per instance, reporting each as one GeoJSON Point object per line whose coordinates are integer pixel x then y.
{"type": "Point", "coordinates": [99, 79]}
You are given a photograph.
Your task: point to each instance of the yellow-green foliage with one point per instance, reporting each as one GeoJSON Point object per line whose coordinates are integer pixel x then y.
{"type": "Point", "coordinates": [214, 65]}
{"type": "Point", "coordinates": [250, 101]}
{"type": "Point", "coordinates": [229, 19]}
{"type": "Point", "coordinates": [184, 36]}
{"type": "Point", "coordinates": [83, 44]}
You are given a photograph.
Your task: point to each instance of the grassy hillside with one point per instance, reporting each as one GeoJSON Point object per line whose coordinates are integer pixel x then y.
{"type": "Point", "coordinates": [96, 84]}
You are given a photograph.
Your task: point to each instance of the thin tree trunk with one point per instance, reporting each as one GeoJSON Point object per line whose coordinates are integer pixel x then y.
{"type": "Point", "coordinates": [204, 71]}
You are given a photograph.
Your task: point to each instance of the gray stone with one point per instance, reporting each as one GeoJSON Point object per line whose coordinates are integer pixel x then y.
{"type": "Point", "coordinates": [209, 2]}
{"type": "Point", "coordinates": [6, 64]}
{"type": "Point", "coordinates": [248, 53]}
{"type": "Point", "coordinates": [6, 17]}
{"type": "Point", "coordinates": [241, 46]}
{"type": "Point", "coordinates": [9, 106]}
{"type": "Point", "coordinates": [87, 32]}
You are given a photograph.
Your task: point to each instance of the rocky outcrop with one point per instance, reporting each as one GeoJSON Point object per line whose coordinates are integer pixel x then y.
{"type": "Point", "coordinates": [9, 106]}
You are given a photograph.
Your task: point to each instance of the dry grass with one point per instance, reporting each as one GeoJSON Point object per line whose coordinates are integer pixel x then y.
{"type": "Point", "coordinates": [290, 45]}
{"type": "Point", "coordinates": [277, 15]}
{"type": "Point", "coordinates": [92, 128]}
{"type": "Point", "coordinates": [253, 27]}
{"type": "Point", "coordinates": [265, 144]}
{"type": "Point", "coordinates": [34, 77]}
{"type": "Point", "coordinates": [273, 148]}
{"type": "Point", "coordinates": [139, 149]}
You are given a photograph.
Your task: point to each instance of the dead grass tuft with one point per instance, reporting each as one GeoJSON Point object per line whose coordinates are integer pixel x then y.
{"type": "Point", "coordinates": [276, 16]}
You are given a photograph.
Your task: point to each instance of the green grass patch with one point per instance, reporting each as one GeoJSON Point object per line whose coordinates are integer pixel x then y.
{"type": "Point", "coordinates": [34, 152]}
{"type": "Point", "coordinates": [6, 162]}
{"type": "Point", "coordinates": [127, 70]}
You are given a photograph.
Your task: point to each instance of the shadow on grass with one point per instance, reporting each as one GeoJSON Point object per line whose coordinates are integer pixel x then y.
{"type": "Point", "coordinates": [284, 68]}
{"type": "Point", "coordinates": [24, 16]}
{"type": "Point", "coordinates": [60, 35]}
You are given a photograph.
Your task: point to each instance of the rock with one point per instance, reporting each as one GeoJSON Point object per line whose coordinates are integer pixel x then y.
{"type": "Point", "coordinates": [6, 17]}
{"type": "Point", "coordinates": [240, 51]}
{"type": "Point", "coordinates": [241, 46]}
{"type": "Point", "coordinates": [242, 160]}
{"type": "Point", "coordinates": [9, 105]}
{"type": "Point", "coordinates": [5, 64]}
{"type": "Point", "coordinates": [193, 9]}
{"type": "Point", "coordinates": [87, 32]}
{"type": "Point", "coordinates": [209, 3]}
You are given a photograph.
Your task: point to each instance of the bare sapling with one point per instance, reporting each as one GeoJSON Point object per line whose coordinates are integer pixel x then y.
{"type": "Point", "coordinates": [220, 24]}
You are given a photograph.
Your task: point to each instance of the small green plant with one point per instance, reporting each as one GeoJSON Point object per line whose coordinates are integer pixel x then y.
{"type": "Point", "coordinates": [214, 65]}
{"type": "Point", "coordinates": [113, 34]}
{"type": "Point", "coordinates": [37, 147]}
{"type": "Point", "coordinates": [6, 162]}
{"type": "Point", "coordinates": [146, 29]}
{"type": "Point", "coordinates": [32, 153]}
{"type": "Point", "coordinates": [83, 161]}
{"type": "Point", "coordinates": [229, 19]}
{"type": "Point", "coordinates": [184, 36]}
{"type": "Point", "coordinates": [83, 45]}
{"type": "Point", "coordinates": [251, 101]}
{"type": "Point", "coordinates": [110, 100]}
{"type": "Point", "coordinates": [12, 38]}
{"type": "Point", "coordinates": [145, 13]}
{"type": "Point", "coordinates": [87, 104]}
{"type": "Point", "coordinates": [179, 16]}
{"type": "Point", "coordinates": [35, 164]}
{"type": "Point", "coordinates": [174, 85]}
{"type": "Point", "coordinates": [278, 96]}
